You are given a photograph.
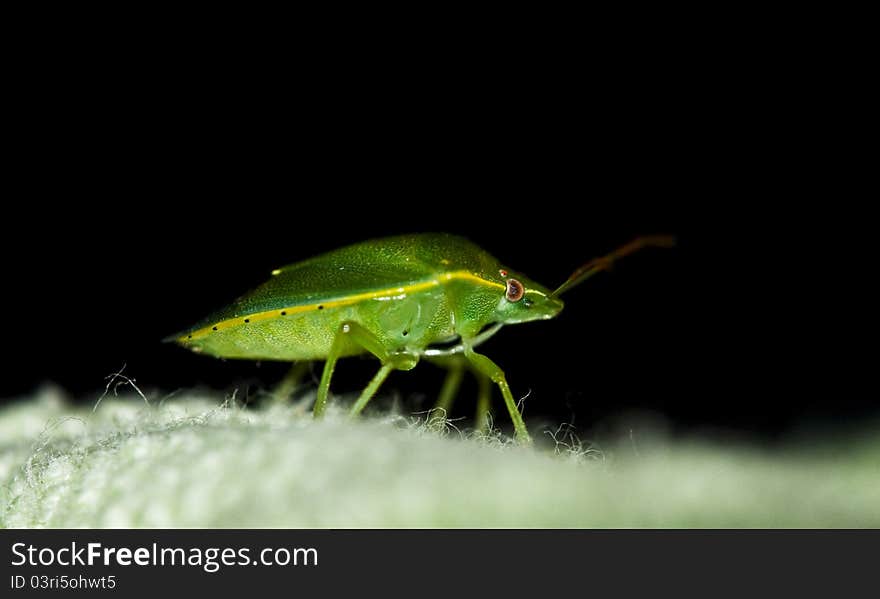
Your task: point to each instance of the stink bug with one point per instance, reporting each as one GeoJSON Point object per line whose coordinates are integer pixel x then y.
{"type": "Point", "coordinates": [399, 298]}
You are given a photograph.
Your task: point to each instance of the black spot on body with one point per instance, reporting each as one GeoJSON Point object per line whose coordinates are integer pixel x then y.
{"type": "Point", "coordinates": [247, 319]}
{"type": "Point", "coordinates": [213, 328]}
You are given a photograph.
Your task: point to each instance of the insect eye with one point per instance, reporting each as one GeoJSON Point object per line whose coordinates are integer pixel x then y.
{"type": "Point", "coordinates": [515, 290]}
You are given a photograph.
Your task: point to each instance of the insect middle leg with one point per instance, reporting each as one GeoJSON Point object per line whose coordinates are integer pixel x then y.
{"type": "Point", "coordinates": [353, 333]}
{"type": "Point", "coordinates": [291, 381]}
{"type": "Point", "coordinates": [490, 369]}
{"type": "Point", "coordinates": [455, 366]}
{"type": "Point", "coordinates": [484, 402]}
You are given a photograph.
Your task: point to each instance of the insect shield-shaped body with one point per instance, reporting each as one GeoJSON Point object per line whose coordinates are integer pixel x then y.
{"type": "Point", "coordinates": [395, 298]}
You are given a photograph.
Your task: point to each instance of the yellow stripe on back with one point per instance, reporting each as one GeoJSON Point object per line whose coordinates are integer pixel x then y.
{"type": "Point", "coordinates": [394, 292]}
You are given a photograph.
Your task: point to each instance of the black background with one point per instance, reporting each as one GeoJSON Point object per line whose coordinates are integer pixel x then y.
{"type": "Point", "coordinates": [146, 192]}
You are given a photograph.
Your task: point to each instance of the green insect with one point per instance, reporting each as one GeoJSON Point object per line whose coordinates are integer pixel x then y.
{"type": "Point", "coordinates": [432, 295]}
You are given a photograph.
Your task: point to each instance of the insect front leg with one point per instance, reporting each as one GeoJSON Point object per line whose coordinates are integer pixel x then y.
{"type": "Point", "coordinates": [490, 369]}
{"type": "Point", "coordinates": [353, 333]}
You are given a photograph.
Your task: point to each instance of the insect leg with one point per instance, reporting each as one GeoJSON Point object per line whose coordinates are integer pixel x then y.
{"type": "Point", "coordinates": [484, 399]}
{"type": "Point", "coordinates": [368, 393]}
{"type": "Point", "coordinates": [281, 394]}
{"type": "Point", "coordinates": [329, 365]}
{"type": "Point", "coordinates": [455, 366]}
{"type": "Point", "coordinates": [449, 390]}
{"type": "Point", "coordinates": [489, 368]}
{"type": "Point", "coordinates": [353, 333]}
{"type": "Point", "coordinates": [395, 361]}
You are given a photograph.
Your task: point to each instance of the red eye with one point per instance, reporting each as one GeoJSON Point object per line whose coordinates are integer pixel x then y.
{"type": "Point", "coordinates": [515, 290]}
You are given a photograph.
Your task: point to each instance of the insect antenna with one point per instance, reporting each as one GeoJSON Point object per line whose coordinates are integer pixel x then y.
{"type": "Point", "coordinates": [597, 265]}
